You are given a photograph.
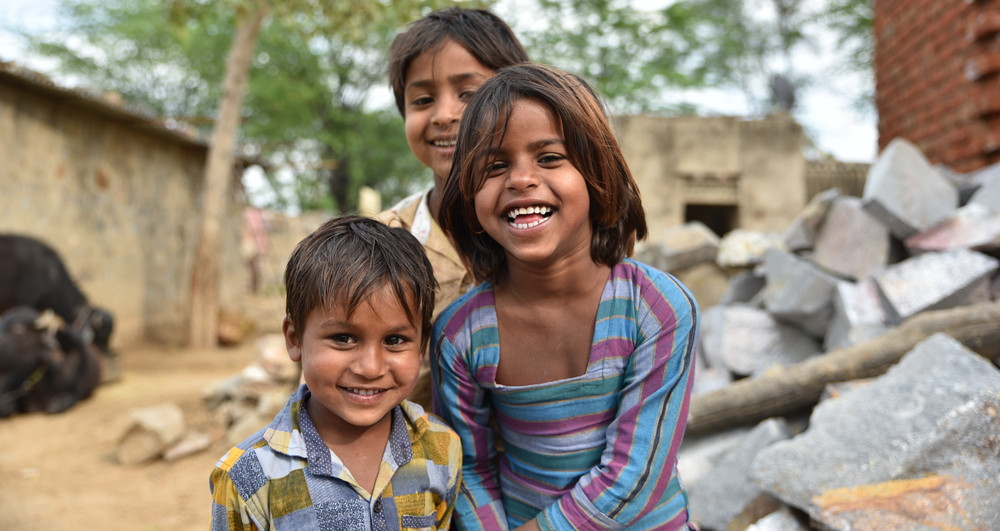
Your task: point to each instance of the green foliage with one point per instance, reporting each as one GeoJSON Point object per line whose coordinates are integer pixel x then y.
{"type": "Point", "coordinates": [316, 66]}
{"type": "Point", "coordinates": [633, 56]}
{"type": "Point", "coordinates": [851, 21]}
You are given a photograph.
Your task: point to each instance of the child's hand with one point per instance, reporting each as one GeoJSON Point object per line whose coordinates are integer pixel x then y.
{"type": "Point", "coordinates": [531, 525]}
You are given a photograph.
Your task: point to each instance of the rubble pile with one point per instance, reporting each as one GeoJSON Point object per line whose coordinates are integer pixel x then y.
{"type": "Point", "coordinates": [247, 401]}
{"type": "Point", "coordinates": [889, 306]}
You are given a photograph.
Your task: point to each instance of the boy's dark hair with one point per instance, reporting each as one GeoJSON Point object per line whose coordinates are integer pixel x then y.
{"type": "Point", "coordinates": [616, 214]}
{"type": "Point", "coordinates": [347, 259]}
{"type": "Point", "coordinates": [484, 35]}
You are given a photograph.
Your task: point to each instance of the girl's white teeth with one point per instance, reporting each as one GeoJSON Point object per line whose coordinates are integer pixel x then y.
{"type": "Point", "coordinates": [364, 392]}
{"type": "Point", "coordinates": [524, 211]}
{"type": "Point", "coordinates": [443, 143]}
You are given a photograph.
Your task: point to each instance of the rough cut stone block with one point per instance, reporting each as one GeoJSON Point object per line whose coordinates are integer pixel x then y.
{"type": "Point", "coordinates": [745, 248]}
{"type": "Point", "coordinates": [916, 445]}
{"type": "Point", "coordinates": [988, 194]}
{"type": "Point", "coordinates": [801, 234]}
{"type": "Point", "coordinates": [699, 454]}
{"type": "Point", "coordinates": [708, 378]}
{"type": "Point", "coordinates": [742, 288]}
{"type": "Point", "coordinates": [933, 281]}
{"type": "Point", "coordinates": [683, 246]}
{"type": "Point", "coordinates": [724, 491]}
{"type": "Point", "coordinates": [707, 281]}
{"type": "Point", "coordinates": [852, 243]}
{"type": "Point", "coordinates": [798, 292]}
{"type": "Point", "coordinates": [780, 520]}
{"type": "Point", "coordinates": [973, 226]}
{"type": "Point", "coordinates": [905, 193]}
{"type": "Point", "coordinates": [747, 340]}
{"type": "Point", "coordinates": [858, 315]}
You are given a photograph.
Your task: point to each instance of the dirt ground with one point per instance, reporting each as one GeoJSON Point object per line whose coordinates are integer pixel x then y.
{"type": "Point", "coordinates": [59, 471]}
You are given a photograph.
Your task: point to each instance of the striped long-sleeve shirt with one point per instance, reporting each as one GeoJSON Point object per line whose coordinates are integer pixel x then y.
{"type": "Point", "coordinates": [598, 451]}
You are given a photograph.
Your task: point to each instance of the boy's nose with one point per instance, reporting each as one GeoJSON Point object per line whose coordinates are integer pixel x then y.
{"type": "Point", "coordinates": [448, 110]}
{"type": "Point", "coordinates": [369, 362]}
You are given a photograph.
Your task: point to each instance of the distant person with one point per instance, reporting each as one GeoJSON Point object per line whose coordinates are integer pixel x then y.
{"type": "Point", "coordinates": [583, 357]}
{"type": "Point", "coordinates": [347, 451]}
{"type": "Point", "coordinates": [435, 65]}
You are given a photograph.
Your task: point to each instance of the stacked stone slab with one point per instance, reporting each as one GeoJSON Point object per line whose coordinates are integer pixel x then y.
{"type": "Point", "coordinates": [916, 445]}
{"type": "Point", "coordinates": [934, 281]}
{"type": "Point", "coordinates": [681, 247]}
{"type": "Point", "coordinates": [852, 243]}
{"type": "Point", "coordinates": [858, 314]}
{"type": "Point", "coordinates": [905, 192]}
{"type": "Point", "coordinates": [923, 436]}
{"type": "Point", "coordinates": [745, 340]}
{"type": "Point", "coordinates": [797, 291]}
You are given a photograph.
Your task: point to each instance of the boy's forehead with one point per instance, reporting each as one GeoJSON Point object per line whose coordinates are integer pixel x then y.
{"type": "Point", "coordinates": [448, 60]}
{"type": "Point", "coordinates": [381, 300]}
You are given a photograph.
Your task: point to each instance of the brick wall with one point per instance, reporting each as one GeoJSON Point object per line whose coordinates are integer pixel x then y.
{"type": "Point", "coordinates": [937, 78]}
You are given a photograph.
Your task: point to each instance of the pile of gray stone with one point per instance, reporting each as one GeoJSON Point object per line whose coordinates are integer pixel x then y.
{"type": "Point", "coordinates": [917, 447]}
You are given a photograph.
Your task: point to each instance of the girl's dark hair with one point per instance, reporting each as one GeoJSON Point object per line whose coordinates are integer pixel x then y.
{"type": "Point", "coordinates": [486, 36]}
{"type": "Point", "coordinates": [616, 213]}
{"type": "Point", "coordinates": [347, 260]}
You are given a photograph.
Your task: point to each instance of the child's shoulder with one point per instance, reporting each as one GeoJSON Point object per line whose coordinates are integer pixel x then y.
{"type": "Point", "coordinates": [429, 431]}
{"type": "Point", "coordinates": [464, 306]}
{"type": "Point", "coordinates": [649, 282]}
{"type": "Point", "coordinates": [243, 454]}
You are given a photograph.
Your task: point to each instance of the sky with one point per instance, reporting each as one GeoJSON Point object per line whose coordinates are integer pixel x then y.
{"type": "Point", "coordinates": [825, 109]}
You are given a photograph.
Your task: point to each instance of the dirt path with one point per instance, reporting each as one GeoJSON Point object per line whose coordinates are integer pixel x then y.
{"type": "Point", "coordinates": [59, 472]}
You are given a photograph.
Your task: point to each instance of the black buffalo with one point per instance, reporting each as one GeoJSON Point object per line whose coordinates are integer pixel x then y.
{"type": "Point", "coordinates": [44, 365]}
{"type": "Point", "coordinates": [32, 274]}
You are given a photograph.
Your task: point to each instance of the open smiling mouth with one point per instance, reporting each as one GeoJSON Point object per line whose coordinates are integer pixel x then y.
{"type": "Point", "coordinates": [527, 217]}
{"type": "Point", "coordinates": [364, 392]}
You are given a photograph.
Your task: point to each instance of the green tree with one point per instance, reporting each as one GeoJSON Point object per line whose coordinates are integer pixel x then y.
{"type": "Point", "coordinates": [633, 55]}
{"type": "Point", "coordinates": [177, 53]}
{"type": "Point", "coordinates": [306, 112]}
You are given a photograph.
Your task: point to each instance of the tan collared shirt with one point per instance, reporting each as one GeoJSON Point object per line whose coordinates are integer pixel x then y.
{"type": "Point", "coordinates": [413, 214]}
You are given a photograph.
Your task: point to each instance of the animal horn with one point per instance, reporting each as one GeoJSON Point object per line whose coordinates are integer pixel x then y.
{"type": "Point", "coordinates": [48, 321]}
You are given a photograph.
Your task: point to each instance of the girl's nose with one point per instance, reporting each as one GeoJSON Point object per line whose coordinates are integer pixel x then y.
{"type": "Point", "coordinates": [522, 177]}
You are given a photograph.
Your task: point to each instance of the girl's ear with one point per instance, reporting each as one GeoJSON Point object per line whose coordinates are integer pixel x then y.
{"type": "Point", "coordinates": [291, 339]}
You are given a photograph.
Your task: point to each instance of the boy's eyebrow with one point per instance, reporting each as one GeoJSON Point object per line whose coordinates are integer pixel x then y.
{"type": "Point", "coordinates": [339, 323]}
{"type": "Point", "coordinates": [454, 78]}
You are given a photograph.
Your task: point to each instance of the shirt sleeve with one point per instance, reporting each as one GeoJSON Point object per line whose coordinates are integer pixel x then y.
{"type": "Point", "coordinates": [637, 471]}
{"type": "Point", "coordinates": [229, 511]}
{"type": "Point", "coordinates": [463, 404]}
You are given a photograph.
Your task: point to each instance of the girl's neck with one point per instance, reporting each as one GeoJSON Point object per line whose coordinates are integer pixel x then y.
{"type": "Point", "coordinates": [558, 281]}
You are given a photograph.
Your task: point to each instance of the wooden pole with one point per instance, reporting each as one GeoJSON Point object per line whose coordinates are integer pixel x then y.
{"type": "Point", "coordinates": [798, 387]}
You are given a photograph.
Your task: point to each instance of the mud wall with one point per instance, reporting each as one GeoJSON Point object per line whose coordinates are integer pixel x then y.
{"type": "Point", "coordinates": [119, 199]}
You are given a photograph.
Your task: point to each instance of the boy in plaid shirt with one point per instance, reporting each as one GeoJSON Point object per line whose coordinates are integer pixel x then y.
{"type": "Point", "coordinates": [348, 452]}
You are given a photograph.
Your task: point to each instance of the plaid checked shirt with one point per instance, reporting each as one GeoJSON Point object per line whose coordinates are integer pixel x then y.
{"type": "Point", "coordinates": [285, 477]}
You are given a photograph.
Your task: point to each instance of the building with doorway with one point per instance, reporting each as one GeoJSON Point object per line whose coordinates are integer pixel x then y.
{"type": "Point", "coordinates": [725, 172]}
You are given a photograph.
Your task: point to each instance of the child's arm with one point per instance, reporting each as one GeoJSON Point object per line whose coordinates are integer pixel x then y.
{"type": "Point", "coordinates": [462, 404]}
{"type": "Point", "coordinates": [638, 470]}
{"type": "Point", "coordinates": [229, 511]}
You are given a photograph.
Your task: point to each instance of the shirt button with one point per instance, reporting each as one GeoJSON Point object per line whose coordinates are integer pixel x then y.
{"type": "Point", "coordinates": [377, 508]}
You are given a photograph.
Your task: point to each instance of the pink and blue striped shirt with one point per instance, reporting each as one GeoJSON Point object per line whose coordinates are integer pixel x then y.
{"type": "Point", "coordinates": [598, 451]}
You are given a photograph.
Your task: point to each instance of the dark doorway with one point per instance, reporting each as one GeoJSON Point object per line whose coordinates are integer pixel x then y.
{"type": "Point", "coordinates": [720, 218]}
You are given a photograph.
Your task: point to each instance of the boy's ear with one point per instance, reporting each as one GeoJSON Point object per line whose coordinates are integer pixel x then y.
{"type": "Point", "coordinates": [291, 339]}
